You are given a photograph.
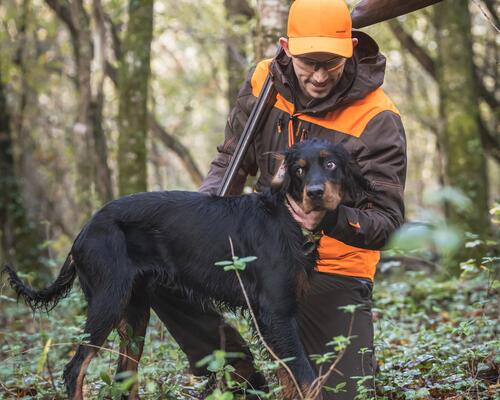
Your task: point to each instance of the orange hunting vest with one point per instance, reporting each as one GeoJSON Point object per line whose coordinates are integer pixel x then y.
{"type": "Point", "coordinates": [336, 257]}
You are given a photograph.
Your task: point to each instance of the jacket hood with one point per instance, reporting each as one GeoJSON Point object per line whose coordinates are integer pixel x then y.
{"type": "Point", "coordinates": [363, 73]}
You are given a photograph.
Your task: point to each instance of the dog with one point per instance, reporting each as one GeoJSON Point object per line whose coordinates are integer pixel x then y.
{"type": "Point", "coordinates": [171, 240]}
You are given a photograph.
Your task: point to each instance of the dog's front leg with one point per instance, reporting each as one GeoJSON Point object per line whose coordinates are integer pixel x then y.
{"type": "Point", "coordinates": [281, 334]}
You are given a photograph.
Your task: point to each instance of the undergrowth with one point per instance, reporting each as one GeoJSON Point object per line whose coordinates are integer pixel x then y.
{"type": "Point", "coordinates": [436, 337]}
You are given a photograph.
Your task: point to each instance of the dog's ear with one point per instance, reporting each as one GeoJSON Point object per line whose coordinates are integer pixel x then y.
{"type": "Point", "coordinates": [281, 179]}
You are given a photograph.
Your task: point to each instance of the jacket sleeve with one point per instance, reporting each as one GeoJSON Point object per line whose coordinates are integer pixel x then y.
{"type": "Point", "coordinates": [234, 127]}
{"type": "Point", "coordinates": [381, 155]}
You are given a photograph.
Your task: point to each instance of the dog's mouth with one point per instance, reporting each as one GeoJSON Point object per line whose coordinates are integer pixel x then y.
{"type": "Point", "coordinates": [328, 199]}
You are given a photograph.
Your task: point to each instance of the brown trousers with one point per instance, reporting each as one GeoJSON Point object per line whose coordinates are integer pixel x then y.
{"type": "Point", "coordinates": [200, 331]}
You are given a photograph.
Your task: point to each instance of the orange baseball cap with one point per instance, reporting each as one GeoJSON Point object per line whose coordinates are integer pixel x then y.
{"type": "Point", "coordinates": [319, 26]}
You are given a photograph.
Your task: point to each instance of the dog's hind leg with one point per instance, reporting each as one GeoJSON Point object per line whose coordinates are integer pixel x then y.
{"type": "Point", "coordinates": [106, 274]}
{"type": "Point", "coordinates": [103, 316]}
{"type": "Point", "coordinates": [132, 331]}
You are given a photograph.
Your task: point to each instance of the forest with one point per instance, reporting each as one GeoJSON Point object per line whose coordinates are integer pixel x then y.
{"type": "Point", "coordinates": [104, 98]}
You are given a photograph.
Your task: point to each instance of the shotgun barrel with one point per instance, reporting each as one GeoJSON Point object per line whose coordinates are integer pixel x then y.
{"type": "Point", "coordinates": [259, 114]}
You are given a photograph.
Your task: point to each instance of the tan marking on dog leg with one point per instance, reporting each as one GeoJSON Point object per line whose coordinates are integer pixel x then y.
{"type": "Point", "coordinates": [81, 375]}
{"type": "Point", "coordinates": [129, 360]}
{"type": "Point", "coordinates": [122, 332]}
{"type": "Point", "coordinates": [289, 391]}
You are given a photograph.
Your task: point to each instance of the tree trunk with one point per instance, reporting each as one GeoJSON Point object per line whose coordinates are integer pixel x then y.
{"type": "Point", "coordinates": [271, 26]}
{"type": "Point", "coordinates": [169, 140]}
{"type": "Point", "coordinates": [465, 163]}
{"type": "Point", "coordinates": [238, 14]}
{"type": "Point", "coordinates": [19, 239]}
{"type": "Point", "coordinates": [133, 88]}
{"type": "Point", "coordinates": [83, 137]}
{"type": "Point", "coordinates": [93, 173]}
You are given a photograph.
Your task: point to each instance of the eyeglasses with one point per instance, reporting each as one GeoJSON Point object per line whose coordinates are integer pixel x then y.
{"type": "Point", "coordinates": [311, 65]}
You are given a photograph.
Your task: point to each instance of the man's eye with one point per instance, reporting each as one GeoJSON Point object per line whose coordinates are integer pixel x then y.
{"type": "Point", "coordinates": [308, 62]}
{"type": "Point", "coordinates": [330, 165]}
{"type": "Point", "coordinates": [299, 172]}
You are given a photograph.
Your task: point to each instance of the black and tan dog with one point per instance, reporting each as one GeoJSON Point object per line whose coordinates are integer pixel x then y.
{"type": "Point", "coordinates": [172, 239]}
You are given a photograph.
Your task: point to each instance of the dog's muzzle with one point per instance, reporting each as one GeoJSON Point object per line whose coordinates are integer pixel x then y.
{"type": "Point", "coordinates": [315, 192]}
{"type": "Point", "coordinates": [321, 196]}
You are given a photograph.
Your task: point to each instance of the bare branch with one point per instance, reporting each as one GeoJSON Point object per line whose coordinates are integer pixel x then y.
{"type": "Point", "coordinates": [491, 143]}
{"type": "Point", "coordinates": [115, 37]}
{"type": "Point", "coordinates": [485, 94]}
{"type": "Point", "coordinates": [63, 12]}
{"type": "Point", "coordinates": [490, 5]}
{"type": "Point", "coordinates": [487, 17]}
{"type": "Point", "coordinates": [409, 43]}
{"type": "Point", "coordinates": [171, 142]}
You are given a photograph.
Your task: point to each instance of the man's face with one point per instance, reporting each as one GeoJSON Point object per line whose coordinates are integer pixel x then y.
{"type": "Point", "coordinates": [318, 73]}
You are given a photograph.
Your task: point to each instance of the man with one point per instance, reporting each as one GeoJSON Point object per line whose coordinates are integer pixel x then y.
{"type": "Point", "coordinates": [328, 80]}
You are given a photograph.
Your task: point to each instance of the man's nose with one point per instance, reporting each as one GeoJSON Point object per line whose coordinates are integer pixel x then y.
{"type": "Point", "coordinates": [315, 192]}
{"type": "Point", "coordinates": [320, 75]}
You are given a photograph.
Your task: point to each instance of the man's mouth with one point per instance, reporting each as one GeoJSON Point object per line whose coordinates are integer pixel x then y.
{"type": "Point", "coordinates": [320, 85]}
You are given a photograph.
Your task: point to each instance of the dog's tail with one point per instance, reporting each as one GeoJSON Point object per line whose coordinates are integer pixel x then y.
{"type": "Point", "coordinates": [47, 298]}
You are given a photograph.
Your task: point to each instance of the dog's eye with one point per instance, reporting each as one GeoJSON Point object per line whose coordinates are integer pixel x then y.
{"type": "Point", "coordinates": [330, 165]}
{"type": "Point", "coordinates": [299, 172]}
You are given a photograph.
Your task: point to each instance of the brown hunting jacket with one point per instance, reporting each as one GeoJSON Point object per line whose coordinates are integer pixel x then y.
{"type": "Point", "coordinates": [357, 114]}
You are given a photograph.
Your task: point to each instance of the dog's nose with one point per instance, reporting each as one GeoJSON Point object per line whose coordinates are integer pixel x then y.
{"type": "Point", "coordinates": [315, 191]}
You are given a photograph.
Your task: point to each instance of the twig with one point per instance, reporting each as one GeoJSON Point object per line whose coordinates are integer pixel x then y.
{"type": "Point", "coordinates": [486, 15]}
{"type": "Point", "coordinates": [71, 343]}
{"type": "Point", "coordinates": [254, 319]}
{"type": "Point", "coordinates": [51, 375]}
{"type": "Point", "coordinates": [247, 382]}
{"type": "Point", "coordinates": [7, 389]}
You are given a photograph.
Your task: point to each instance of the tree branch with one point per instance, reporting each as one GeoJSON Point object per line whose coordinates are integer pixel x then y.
{"type": "Point", "coordinates": [169, 140]}
{"type": "Point", "coordinates": [490, 5]}
{"type": "Point", "coordinates": [63, 12]}
{"type": "Point", "coordinates": [493, 20]}
{"type": "Point", "coordinates": [409, 43]}
{"type": "Point", "coordinates": [491, 143]}
{"type": "Point", "coordinates": [485, 94]}
{"type": "Point", "coordinates": [115, 37]}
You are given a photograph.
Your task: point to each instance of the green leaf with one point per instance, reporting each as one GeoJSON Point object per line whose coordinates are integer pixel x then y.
{"type": "Point", "coordinates": [43, 356]}
{"type": "Point", "coordinates": [248, 259]}
{"type": "Point", "coordinates": [223, 263]}
{"type": "Point", "coordinates": [105, 378]}
{"type": "Point", "coordinates": [350, 308]}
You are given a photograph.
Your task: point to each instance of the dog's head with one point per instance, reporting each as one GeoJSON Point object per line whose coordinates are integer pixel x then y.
{"type": "Point", "coordinates": [317, 174]}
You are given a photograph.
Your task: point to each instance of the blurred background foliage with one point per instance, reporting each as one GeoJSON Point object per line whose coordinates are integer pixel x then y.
{"type": "Point", "coordinates": [99, 98]}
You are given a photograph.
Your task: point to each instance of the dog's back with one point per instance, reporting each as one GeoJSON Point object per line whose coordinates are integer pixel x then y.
{"type": "Point", "coordinates": [175, 237]}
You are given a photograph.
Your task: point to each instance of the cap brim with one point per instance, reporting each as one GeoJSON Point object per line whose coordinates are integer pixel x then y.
{"type": "Point", "coordinates": [320, 44]}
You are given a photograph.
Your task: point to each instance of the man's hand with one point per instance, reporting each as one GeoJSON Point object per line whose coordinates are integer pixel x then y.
{"type": "Point", "coordinates": [309, 221]}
